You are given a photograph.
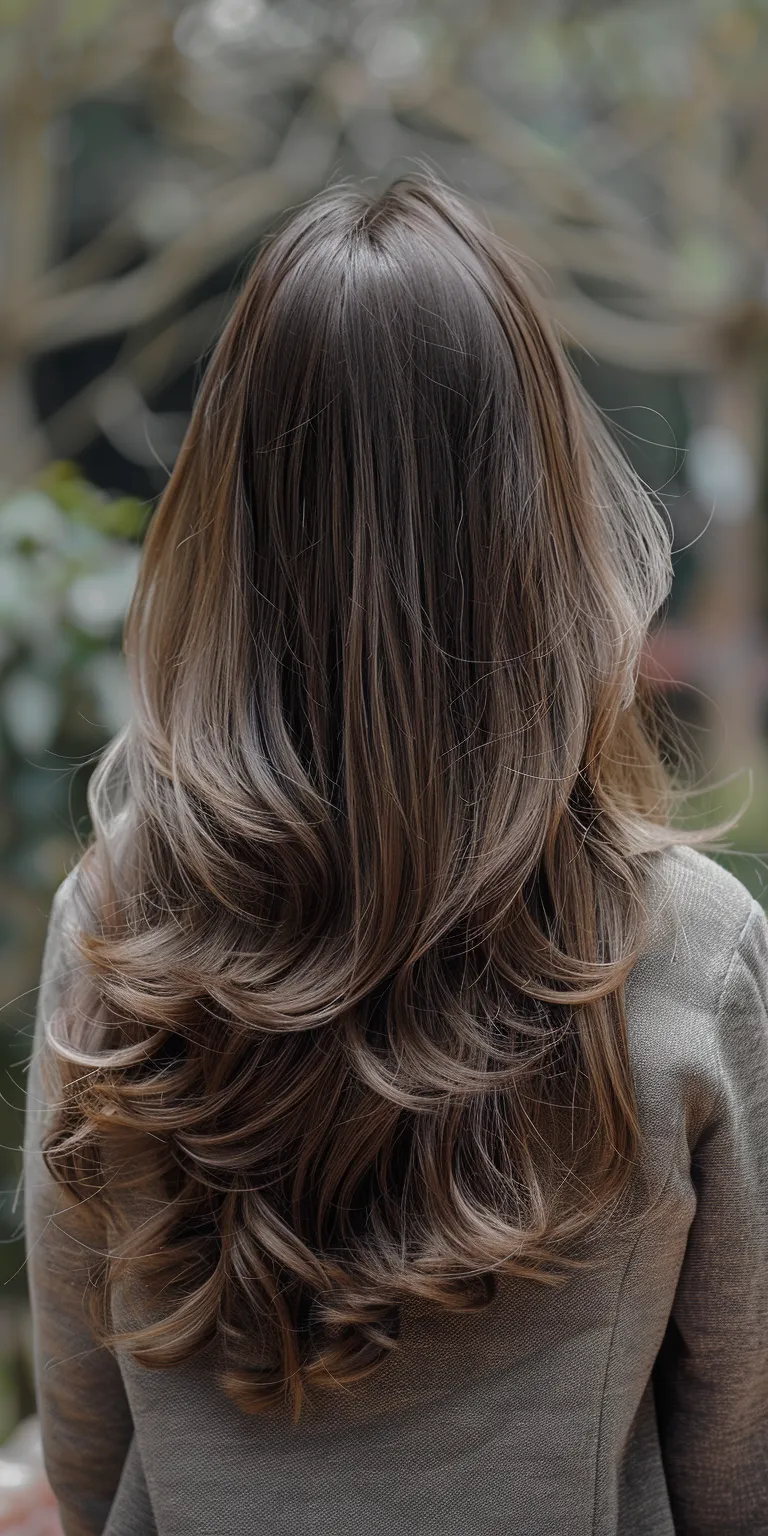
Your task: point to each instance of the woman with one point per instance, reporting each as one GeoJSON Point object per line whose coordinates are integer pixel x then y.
{"type": "Point", "coordinates": [397, 1140]}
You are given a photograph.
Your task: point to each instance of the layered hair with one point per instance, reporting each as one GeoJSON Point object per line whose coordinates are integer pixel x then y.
{"type": "Point", "coordinates": [368, 862]}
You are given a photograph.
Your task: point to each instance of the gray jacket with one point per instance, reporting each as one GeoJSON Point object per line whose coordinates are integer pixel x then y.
{"type": "Point", "coordinates": [632, 1403]}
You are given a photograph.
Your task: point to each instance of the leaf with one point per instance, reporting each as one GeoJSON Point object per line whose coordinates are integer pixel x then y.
{"type": "Point", "coordinates": [123, 517]}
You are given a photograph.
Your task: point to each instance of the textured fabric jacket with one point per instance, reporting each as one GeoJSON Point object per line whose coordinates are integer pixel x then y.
{"type": "Point", "coordinates": [633, 1402]}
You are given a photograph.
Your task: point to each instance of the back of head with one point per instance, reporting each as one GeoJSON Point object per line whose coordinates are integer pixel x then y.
{"type": "Point", "coordinates": [367, 867]}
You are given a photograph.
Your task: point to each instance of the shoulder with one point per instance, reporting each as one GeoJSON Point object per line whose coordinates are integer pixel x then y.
{"type": "Point", "coordinates": [698, 910]}
{"type": "Point", "coordinates": [67, 915]}
{"type": "Point", "coordinates": [60, 958]}
{"type": "Point", "coordinates": [65, 900]}
{"type": "Point", "coordinates": [697, 996]}
{"type": "Point", "coordinates": [699, 879]}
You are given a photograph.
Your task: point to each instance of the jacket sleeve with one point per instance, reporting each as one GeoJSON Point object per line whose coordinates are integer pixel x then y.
{"type": "Point", "coordinates": [711, 1375]}
{"type": "Point", "coordinates": [85, 1419]}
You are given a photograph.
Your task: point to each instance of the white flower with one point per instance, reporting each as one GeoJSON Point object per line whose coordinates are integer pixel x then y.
{"type": "Point", "coordinates": [32, 516]}
{"type": "Point", "coordinates": [30, 707]}
{"type": "Point", "coordinates": [97, 602]}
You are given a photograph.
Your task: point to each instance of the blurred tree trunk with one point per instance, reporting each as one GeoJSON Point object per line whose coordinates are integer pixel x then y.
{"type": "Point", "coordinates": [27, 189]}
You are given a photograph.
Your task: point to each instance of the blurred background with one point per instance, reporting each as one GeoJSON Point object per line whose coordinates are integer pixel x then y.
{"type": "Point", "coordinates": [147, 147]}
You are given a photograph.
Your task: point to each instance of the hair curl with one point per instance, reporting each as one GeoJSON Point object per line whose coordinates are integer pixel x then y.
{"type": "Point", "coordinates": [366, 875]}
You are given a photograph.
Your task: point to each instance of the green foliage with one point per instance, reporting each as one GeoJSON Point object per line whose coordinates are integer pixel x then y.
{"type": "Point", "coordinates": [121, 517]}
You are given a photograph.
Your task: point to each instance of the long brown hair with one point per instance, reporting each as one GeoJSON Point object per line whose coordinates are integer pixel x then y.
{"type": "Point", "coordinates": [367, 869]}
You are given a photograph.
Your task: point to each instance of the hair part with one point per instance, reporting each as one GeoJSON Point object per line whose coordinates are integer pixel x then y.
{"type": "Point", "coordinates": [367, 867]}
